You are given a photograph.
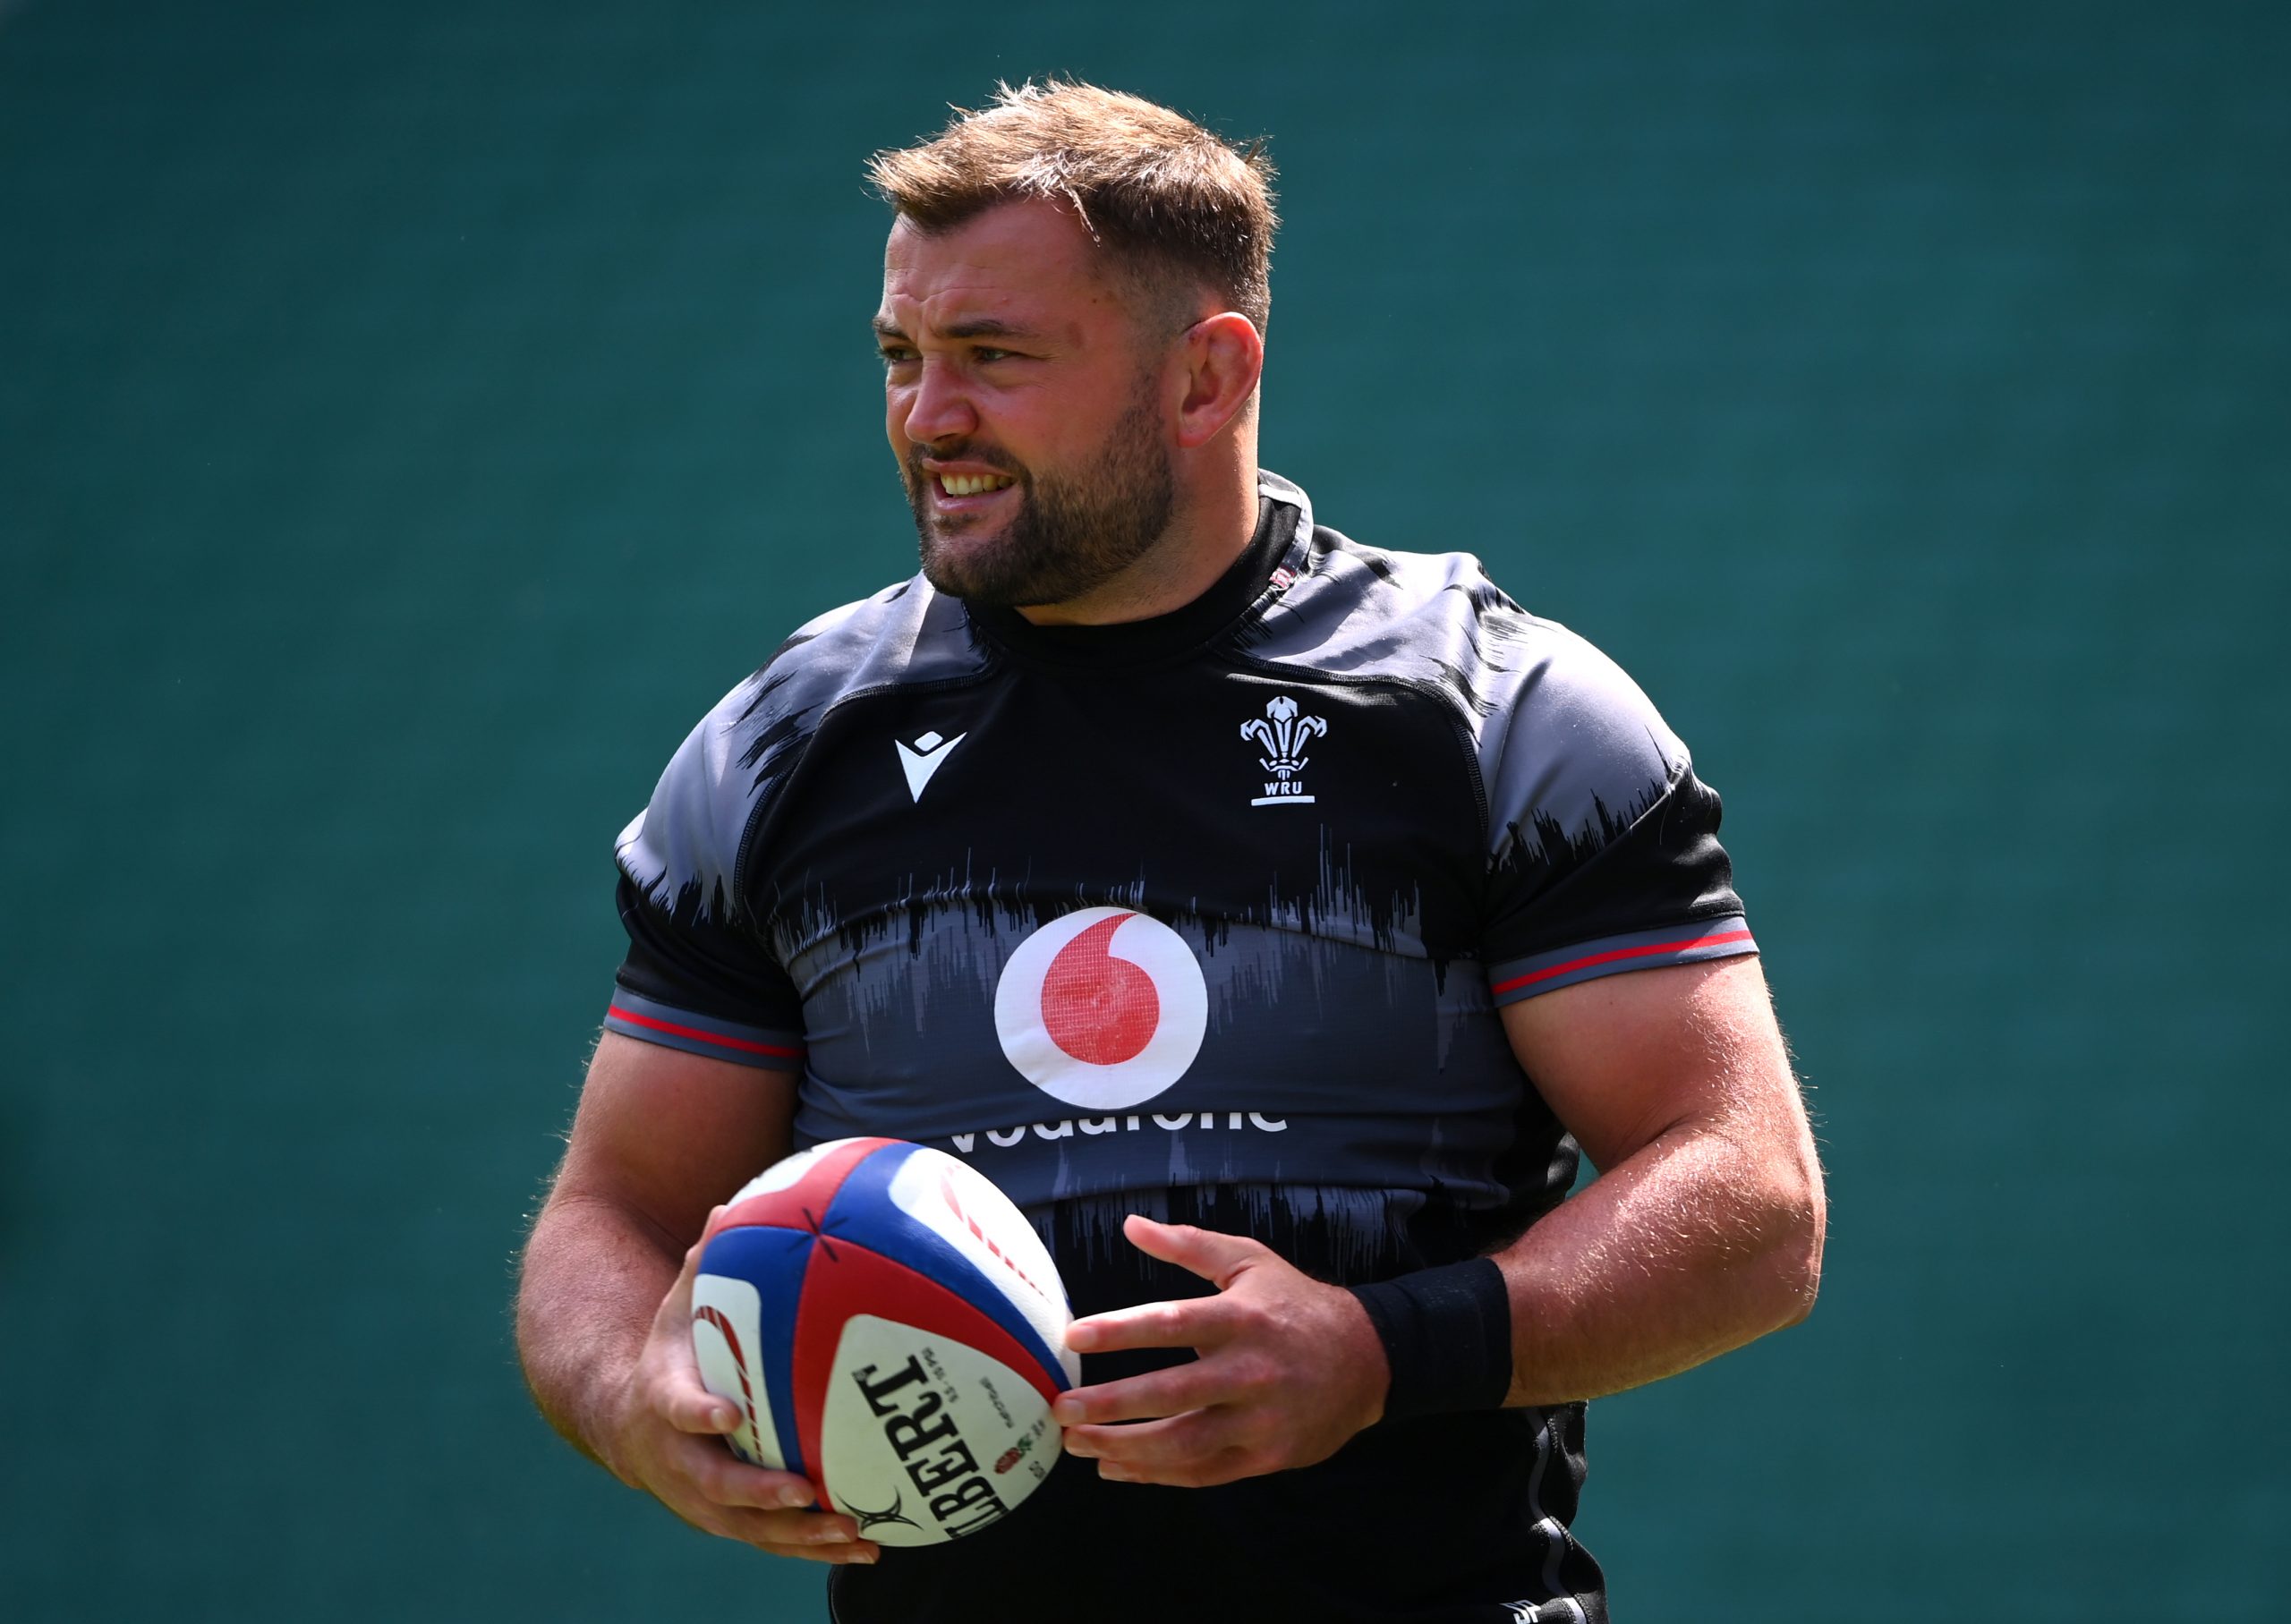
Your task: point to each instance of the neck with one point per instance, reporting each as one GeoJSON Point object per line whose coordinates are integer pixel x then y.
{"type": "Point", "coordinates": [1215, 518]}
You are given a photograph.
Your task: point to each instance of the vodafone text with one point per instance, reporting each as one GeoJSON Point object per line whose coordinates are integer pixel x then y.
{"type": "Point", "coordinates": [961, 1498]}
{"type": "Point", "coordinates": [1231, 1122]}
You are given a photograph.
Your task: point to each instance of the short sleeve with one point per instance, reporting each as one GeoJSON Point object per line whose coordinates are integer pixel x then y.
{"type": "Point", "coordinates": [699, 975]}
{"type": "Point", "coordinates": [1604, 854]}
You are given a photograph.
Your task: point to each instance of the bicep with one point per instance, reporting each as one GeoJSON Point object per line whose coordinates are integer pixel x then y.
{"type": "Point", "coordinates": [1623, 1059]}
{"type": "Point", "coordinates": [668, 1134]}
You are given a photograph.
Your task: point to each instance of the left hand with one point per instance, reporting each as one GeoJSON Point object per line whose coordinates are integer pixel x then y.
{"type": "Point", "coordinates": [1289, 1369]}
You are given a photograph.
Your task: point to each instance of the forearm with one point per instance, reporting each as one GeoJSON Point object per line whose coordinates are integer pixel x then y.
{"type": "Point", "coordinates": [593, 1276]}
{"type": "Point", "coordinates": [1700, 1242]}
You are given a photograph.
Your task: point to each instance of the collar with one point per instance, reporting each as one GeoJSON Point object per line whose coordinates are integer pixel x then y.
{"type": "Point", "coordinates": [1281, 524]}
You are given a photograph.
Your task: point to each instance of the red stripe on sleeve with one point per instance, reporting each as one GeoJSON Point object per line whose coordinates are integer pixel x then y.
{"type": "Point", "coordinates": [1648, 951]}
{"type": "Point", "coordinates": [634, 1019]}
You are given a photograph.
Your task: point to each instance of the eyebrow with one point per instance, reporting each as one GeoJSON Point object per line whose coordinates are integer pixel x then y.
{"type": "Point", "coordinates": [983, 326]}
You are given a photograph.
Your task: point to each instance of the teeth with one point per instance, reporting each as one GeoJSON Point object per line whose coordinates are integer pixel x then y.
{"type": "Point", "coordinates": [973, 484]}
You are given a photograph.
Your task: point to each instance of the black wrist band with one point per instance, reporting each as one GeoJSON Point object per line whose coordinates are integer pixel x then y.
{"type": "Point", "coordinates": [1447, 1335]}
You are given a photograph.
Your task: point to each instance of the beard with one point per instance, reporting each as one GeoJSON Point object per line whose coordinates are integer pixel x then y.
{"type": "Point", "coordinates": [1072, 533]}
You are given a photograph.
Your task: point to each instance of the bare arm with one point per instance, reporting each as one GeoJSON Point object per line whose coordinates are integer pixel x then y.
{"type": "Point", "coordinates": [604, 1304]}
{"type": "Point", "coordinates": [1704, 1229]}
{"type": "Point", "coordinates": [1703, 1232]}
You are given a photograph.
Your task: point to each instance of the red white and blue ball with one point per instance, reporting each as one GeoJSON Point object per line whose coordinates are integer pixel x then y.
{"type": "Point", "coordinates": [893, 1329]}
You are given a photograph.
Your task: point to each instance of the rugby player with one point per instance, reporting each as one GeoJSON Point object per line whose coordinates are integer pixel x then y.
{"type": "Point", "coordinates": [1364, 901]}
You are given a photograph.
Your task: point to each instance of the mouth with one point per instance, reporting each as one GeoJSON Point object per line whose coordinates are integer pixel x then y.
{"type": "Point", "coordinates": [954, 492]}
{"type": "Point", "coordinates": [971, 484]}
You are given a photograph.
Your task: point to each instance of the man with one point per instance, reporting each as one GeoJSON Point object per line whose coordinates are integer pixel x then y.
{"type": "Point", "coordinates": [1272, 916]}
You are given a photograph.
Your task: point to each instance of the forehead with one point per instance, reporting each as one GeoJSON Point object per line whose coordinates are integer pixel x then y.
{"type": "Point", "coordinates": [1027, 263]}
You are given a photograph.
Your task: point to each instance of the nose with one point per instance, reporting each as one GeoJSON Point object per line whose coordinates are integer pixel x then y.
{"type": "Point", "coordinates": [937, 406]}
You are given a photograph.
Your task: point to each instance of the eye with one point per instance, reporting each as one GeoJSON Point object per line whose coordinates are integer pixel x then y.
{"type": "Point", "coordinates": [986, 352]}
{"type": "Point", "coordinates": [895, 354]}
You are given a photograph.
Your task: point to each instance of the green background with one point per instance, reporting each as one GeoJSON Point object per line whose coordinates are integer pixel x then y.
{"type": "Point", "coordinates": [413, 416]}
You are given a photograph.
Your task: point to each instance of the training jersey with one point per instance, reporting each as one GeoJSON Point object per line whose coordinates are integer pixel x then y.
{"type": "Point", "coordinates": [1209, 917]}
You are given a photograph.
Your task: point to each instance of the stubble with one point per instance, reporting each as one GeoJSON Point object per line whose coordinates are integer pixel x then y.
{"type": "Point", "coordinates": [1071, 534]}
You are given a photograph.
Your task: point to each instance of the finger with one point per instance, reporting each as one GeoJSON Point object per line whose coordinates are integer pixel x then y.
{"type": "Point", "coordinates": [807, 1530]}
{"type": "Point", "coordinates": [1194, 1322]}
{"type": "Point", "coordinates": [816, 1539]}
{"type": "Point", "coordinates": [690, 1408]}
{"type": "Point", "coordinates": [821, 1535]}
{"type": "Point", "coordinates": [1159, 1451]}
{"type": "Point", "coordinates": [1146, 1398]}
{"type": "Point", "coordinates": [676, 1308]}
{"type": "Point", "coordinates": [1148, 1446]}
{"type": "Point", "coordinates": [723, 1479]}
{"type": "Point", "coordinates": [837, 1555]}
{"type": "Point", "coordinates": [674, 1390]}
{"type": "Point", "coordinates": [1227, 1465]}
{"type": "Point", "coordinates": [1213, 1256]}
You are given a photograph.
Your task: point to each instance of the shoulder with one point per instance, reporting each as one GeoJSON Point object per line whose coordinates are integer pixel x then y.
{"type": "Point", "coordinates": [1560, 730]}
{"type": "Point", "coordinates": [1579, 754]}
{"type": "Point", "coordinates": [683, 849]}
{"type": "Point", "coordinates": [906, 634]}
{"type": "Point", "coordinates": [1434, 619]}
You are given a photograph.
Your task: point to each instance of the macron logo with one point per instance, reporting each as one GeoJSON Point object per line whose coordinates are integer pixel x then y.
{"type": "Point", "coordinates": [921, 758]}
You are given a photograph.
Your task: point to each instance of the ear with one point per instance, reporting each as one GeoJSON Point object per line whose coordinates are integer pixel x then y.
{"type": "Point", "coordinates": [1223, 358]}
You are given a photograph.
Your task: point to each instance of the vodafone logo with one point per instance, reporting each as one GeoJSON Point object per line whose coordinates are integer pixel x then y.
{"type": "Point", "coordinates": [1102, 1008]}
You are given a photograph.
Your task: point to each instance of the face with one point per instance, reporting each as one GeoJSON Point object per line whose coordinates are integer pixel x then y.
{"type": "Point", "coordinates": [1028, 421]}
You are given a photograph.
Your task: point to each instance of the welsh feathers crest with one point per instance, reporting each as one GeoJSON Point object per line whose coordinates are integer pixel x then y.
{"type": "Point", "coordinates": [1282, 735]}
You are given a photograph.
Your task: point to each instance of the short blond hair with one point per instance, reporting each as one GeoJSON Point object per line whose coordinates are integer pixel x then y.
{"type": "Point", "coordinates": [1174, 201]}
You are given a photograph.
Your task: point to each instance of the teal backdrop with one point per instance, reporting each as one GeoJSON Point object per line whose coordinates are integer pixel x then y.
{"type": "Point", "coordinates": [413, 416]}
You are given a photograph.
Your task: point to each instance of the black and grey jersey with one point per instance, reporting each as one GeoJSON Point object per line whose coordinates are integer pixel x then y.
{"type": "Point", "coordinates": [1209, 917]}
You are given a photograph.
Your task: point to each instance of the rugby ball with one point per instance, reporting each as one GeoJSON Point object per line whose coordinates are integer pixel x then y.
{"type": "Point", "coordinates": [893, 1329]}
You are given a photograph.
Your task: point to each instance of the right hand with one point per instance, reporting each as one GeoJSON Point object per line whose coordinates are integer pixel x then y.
{"type": "Point", "coordinates": [669, 1441]}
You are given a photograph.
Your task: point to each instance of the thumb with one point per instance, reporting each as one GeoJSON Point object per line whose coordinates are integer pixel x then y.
{"type": "Point", "coordinates": [679, 1394]}
{"type": "Point", "coordinates": [1216, 1257]}
{"type": "Point", "coordinates": [677, 1306]}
